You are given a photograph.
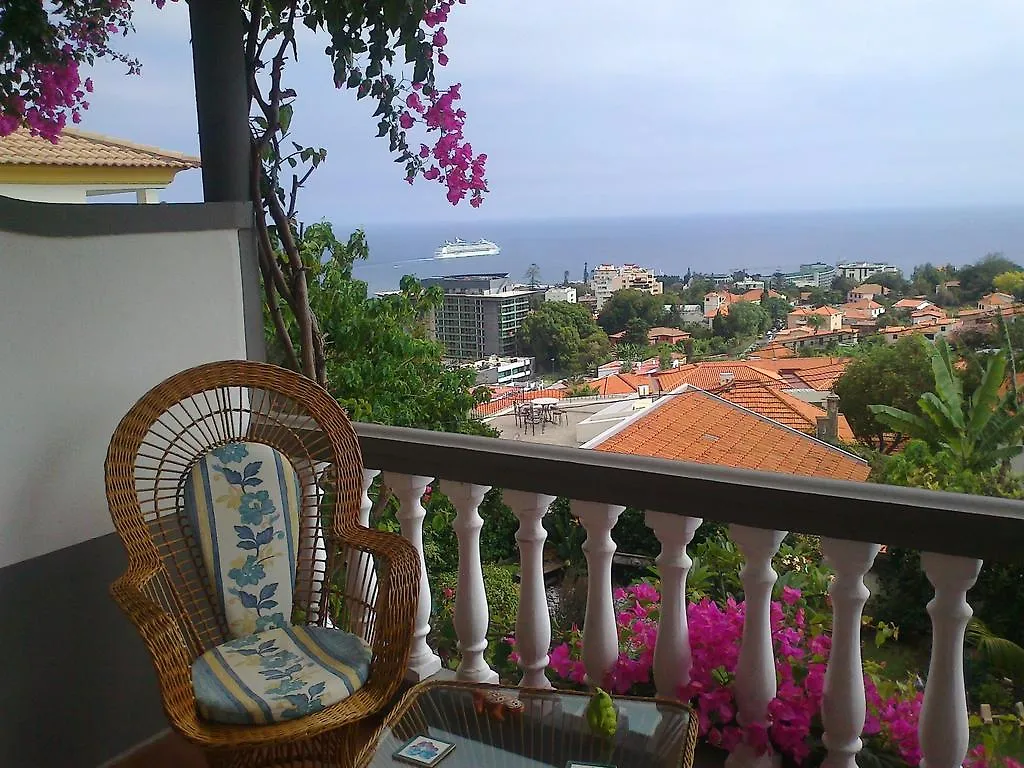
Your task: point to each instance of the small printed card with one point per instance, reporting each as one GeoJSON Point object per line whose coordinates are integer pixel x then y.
{"type": "Point", "coordinates": [425, 751]}
{"type": "Point", "coordinates": [578, 764]}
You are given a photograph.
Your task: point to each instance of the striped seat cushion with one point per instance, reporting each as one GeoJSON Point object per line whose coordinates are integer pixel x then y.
{"type": "Point", "coordinates": [242, 500]}
{"type": "Point", "coordinates": [279, 674]}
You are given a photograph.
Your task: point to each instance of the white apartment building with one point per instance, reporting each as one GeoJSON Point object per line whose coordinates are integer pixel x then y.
{"type": "Point", "coordinates": [606, 279]}
{"type": "Point", "coordinates": [860, 271]}
{"type": "Point", "coordinates": [559, 293]}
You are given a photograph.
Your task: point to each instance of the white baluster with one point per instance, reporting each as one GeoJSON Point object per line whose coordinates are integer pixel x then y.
{"type": "Point", "coordinates": [533, 623]}
{"type": "Point", "coordinates": [672, 649]}
{"type": "Point", "coordinates": [600, 637]}
{"type": "Point", "coordinates": [843, 706]}
{"type": "Point", "coordinates": [471, 616]}
{"type": "Point", "coordinates": [361, 578]}
{"type": "Point", "coordinates": [409, 489]}
{"type": "Point", "coordinates": [755, 669]}
{"type": "Point", "coordinates": [943, 726]}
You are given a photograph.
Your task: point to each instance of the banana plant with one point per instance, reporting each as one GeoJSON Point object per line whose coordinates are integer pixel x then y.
{"type": "Point", "coordinates": [979, 432]}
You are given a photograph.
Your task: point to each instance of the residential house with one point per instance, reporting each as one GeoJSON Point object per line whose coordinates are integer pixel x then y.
{"type": "Point", "coordinates": [663, 335]}
{"type": "Point", "coordinates": [930, 331]}
{"type": "Point", "coordinates": [865, 292]}
{"type": "Point", "coordinates": [692, 313]}
{"type": "Point", "coordinates": [85, 166]}
{"type": "Point", "coordinates": [805, 337]}
{"type": "Point", "coordinates": [995, 301]}
{"type": "Point", "coordinates": [717, 302]}
{"type": "Point", "coordinates": [781, 406]}
{"type": "Point", "coordinates": [927, 316]}
{"type": "Point", "coordinates": [831, 319]}
{"type": "Point", "coordinates": [561, 293]}
{"type": "Point", "coordinates": [862, 308]}
{"type": "Point", "coordinates": [912, 303]}
{"type": "Point", "coordinates": [693, 425]}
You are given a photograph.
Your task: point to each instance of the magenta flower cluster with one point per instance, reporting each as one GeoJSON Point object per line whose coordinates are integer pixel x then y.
{"type": "Point", "coordinates": [801, 655]}
{"type": "Point", "coordinates": [49, 91]}
{"type": "Point", "coordinates": [450, 161]}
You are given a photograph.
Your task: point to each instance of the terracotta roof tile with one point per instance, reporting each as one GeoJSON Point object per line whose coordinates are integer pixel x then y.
{"type": "Point", "coordinates": [709, 375]}
{"type": "Point", "coordinates": [780, 406]}
{"type": "Point", "coordinates": [699, 427]}
{"type": "Point", "coordinates": [79, 148]}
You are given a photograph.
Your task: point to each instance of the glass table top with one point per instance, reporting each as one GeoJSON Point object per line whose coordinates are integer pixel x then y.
{"type": "Point", "coordinates": [498, 727]}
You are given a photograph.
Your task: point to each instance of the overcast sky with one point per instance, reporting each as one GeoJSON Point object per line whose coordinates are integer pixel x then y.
{"type": "Point", "coordinates": [676, 107]}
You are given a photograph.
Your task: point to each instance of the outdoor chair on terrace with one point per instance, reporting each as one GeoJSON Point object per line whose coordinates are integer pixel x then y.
{"type": "Point", "coordinates": [276, 622]}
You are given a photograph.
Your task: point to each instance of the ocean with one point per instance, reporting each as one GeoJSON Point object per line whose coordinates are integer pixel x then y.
{"type": "Point", "coordinates": [762, 243]}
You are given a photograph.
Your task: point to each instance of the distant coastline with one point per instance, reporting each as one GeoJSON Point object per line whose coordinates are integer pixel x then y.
{"type": "Point", "coordinates": [762, 243]}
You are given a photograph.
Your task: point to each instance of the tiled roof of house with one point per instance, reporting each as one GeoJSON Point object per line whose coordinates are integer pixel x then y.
{"type": "Point", "coordinates": [780, 406]}
{"type": "Point", "coordinates": [820, 373]}
{"type": "Point", "coordinates": [931, 310]}
{"type": "Point", "coordinates": [997, 299]}
{"type": "Point", "coordinates": [697, 426]}
{"type": "Point", "coordinates": [826, 311]}
{"type": "Point", "coordinates": [872, 288]}
{"type": "Point", "coordinates": [660, 330]}
{"type": "Point", "coordinates": [618, 384]}
{"type": "Point", "coordinates": [79, 148]}
{"type": "Point", "coordinates": [709, 375]}
{"type": "Point", "coordinates": [912, 302]}
{"type": "Point", "coordinates": [861, 304]}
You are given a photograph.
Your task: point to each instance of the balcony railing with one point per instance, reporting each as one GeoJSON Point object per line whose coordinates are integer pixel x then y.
{"type": "Point", "coordinates": [953, 532]}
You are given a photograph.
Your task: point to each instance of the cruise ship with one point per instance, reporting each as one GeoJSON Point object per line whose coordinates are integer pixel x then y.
{"type": "Point", "coordinates": [460, 249]}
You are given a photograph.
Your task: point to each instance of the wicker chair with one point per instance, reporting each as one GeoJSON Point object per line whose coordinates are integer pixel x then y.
{"type": "Point", "coordinates": [362, 581]}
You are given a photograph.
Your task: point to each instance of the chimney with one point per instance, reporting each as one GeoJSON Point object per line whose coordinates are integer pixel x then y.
{"type": "Point", "coordinates": [726, 378]}
{"type": "Point", "coordinates": [828, 425]}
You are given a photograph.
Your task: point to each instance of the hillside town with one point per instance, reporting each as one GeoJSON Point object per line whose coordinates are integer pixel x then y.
{"type": "Point", "coordinates": [704, 368]}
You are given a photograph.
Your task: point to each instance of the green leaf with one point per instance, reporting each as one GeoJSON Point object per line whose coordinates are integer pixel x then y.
{"type": "Point", "coordinates": [947, 383]}
{"type": "Point", "coordinates": [985, 396]}
{"type": "Point", "coordinates": [285, 117]}
{"type": "Point", "coordinates": [901, 421]}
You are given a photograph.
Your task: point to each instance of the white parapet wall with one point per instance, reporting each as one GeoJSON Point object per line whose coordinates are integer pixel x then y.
{"type": "Point", "coordinates": [87, 325]}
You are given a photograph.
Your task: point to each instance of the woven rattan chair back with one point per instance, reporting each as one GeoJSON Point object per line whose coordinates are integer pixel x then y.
{"type": "Point", "coordinates": [178, 422]}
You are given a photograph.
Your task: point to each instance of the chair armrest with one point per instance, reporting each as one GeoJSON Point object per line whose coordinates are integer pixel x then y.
{"type": "Point", "coordinates": [167, 649]}
{"type": "Point", "coordinates": [397, 600]}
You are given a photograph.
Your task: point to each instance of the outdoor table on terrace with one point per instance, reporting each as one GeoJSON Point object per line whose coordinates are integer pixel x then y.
{"type": "Point", "coordinates": [549, 730]}
{"type": "Point", "coordinates": [545, 404]}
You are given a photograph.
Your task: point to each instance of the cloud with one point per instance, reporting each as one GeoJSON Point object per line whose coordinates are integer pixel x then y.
{"type": "Point", "coordinates": [593, 107]}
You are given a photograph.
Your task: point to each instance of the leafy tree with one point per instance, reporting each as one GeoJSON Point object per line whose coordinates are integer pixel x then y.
{"type": "Point", "coordinates": [1011, 283]}
{"type": "Point", "coordinates": [627, 304]}
{"type": "Point", "coordinates": [976, 279]}
{"type": "Point", "coordinates": [842, 285]}
{"type": "Point", "coordinates": [697, 288]}
{"type": "Point", "coordinates": [744, 319]}
{"type": "Point", "coordinates": [565, 334]}
{"type": "Point", "coordinates": [533, 275]}
{"type": "Point", "coordinates": [895, 375]}
{"type": "Point", "coordinates": [980, 432]}
{"type": "Point", "coordinates": [636, 332]}
{"type": "Point", "coordinates": [776, 308]}
{"type": "Point", "coordinates": [815, 321]}
{"type": "Point", "coordinates": [380, 363]}
{"type": "Point", "coordinates": [891, 280]}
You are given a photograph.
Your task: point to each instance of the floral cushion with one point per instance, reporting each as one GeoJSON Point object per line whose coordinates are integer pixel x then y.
{"type": "Point", "coordinates": [278, 675]}
{"type": "Point", "coordinates": [243, 502]}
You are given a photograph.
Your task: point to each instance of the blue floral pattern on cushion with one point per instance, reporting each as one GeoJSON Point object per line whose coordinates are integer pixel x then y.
{"type": "Point", "coordinates": [279, 675]}
{"type": "Point", "coordinates": [243, 501]}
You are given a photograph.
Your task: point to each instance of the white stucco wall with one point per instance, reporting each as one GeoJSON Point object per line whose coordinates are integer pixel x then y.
{"type": "Point", "coordinates": [78, 193]}
{"type": "Point", "coordinates": [87, 325]}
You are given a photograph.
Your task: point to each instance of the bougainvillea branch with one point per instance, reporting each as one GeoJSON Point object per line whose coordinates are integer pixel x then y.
{"type": "Point", "coordinates": [385, 51]}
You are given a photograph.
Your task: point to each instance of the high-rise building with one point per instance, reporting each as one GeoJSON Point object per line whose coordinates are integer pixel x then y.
{"type": "Point", "coordinates": [481, 314]}
{"type": "Point", "coordinates": [862, 270]}
{"type": "Point", "coordinates": [606, 279]}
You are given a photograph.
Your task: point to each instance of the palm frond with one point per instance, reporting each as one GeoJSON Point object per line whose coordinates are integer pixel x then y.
{"type": "Point", "coordinates": [1004, 655]}
{"type": "Point", "coordinates": [903, 421]}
